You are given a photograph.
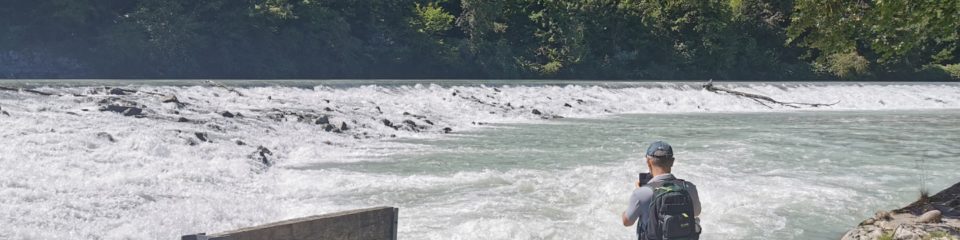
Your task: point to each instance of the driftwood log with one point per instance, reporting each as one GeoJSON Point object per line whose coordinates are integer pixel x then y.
{"type": "Point", "coordinates": [761, 99]}
{"type": "Point", "coordinates": [25, 90]}
{"type": "Point", "coordinates": [220, 85]}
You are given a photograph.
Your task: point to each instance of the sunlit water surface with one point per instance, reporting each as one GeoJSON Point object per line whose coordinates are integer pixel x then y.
{"type": "Point", "coordinates": [761, 176]}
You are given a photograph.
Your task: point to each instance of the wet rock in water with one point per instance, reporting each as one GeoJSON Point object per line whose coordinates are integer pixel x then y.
{"type": "Point", "coordinates": [120, 91]}
{"type": "Point", "coordinates": [183, 120]}
{"type": "Point", "coordinates": [428, 122]}
{"type": "Point", "coordinates": [447, 130]}
{"type": "Point", "coordinates": [263, 156]}
{"type": "Point", "coordinates": [536, 112]}
{"type": "Point", "coordinates": [496, 89]}
{"type": "Point", "coordinates": [202, 136]}
{"type": "Point", "coordinates": [414, 115]}
{"type": "Point", "coordinates": [322, 120]}
{"type": "Point", "coordinates": [170, 99]}
{"type": "Point", "coordinates": [218, 128]}
{"type": "Point", "coordinates": [106, 136]}
{"type": "Point", "coordinates": [329, 127]}
{"type": "Point", "coordinates": [388, 124]}
{"type": "Point", "coordinates": [567, 105]}
{"type": "Point", "coordinates": [124, 107]}
{"type": "Point", "coordinates": [240, 143]}
{"type": "Point", "coordinates": [227, 114]}
{"type": "Point", "coordinates": [411, 125]}
{"type": "Point", "coordinates": [126, 111]}
{"type": "Point", "coordinates": [935, 100]}
{"type": "Point", "coordinates": [580, 101]}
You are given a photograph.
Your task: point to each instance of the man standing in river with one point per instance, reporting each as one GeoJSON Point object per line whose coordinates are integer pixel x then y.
{"type": "Point", "coordinates": [667, 207]}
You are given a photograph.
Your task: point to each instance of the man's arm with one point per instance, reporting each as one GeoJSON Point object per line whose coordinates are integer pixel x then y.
{"type": "Point", "coordinates": [627, 221]}
{"type": "Point", "coordinates": [696, 200]}
{"type": "Point", "coordinates": [640, 197]}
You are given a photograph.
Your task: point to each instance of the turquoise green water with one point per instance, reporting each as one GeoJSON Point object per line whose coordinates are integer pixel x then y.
{"type": "Point", "coordinates": [807, 175]}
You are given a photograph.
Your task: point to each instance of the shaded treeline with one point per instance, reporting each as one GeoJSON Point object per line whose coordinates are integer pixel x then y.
{"type": "Point", "coordinates": [561, 39]}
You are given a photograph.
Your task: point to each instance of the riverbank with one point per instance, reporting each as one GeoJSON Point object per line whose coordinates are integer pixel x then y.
{"type": "Point", "coordinates": [930, 217]}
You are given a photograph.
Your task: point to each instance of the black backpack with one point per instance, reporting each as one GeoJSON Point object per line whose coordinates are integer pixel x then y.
{"type": "Point", "coordinates": [671, 213]}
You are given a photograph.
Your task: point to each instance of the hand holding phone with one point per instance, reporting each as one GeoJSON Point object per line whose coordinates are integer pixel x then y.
{"type": "Point", "coordinates": [644, 178]}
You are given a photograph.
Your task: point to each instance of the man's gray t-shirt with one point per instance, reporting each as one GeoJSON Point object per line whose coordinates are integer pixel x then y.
{"type": "Point", "coordinates": [641, 197]}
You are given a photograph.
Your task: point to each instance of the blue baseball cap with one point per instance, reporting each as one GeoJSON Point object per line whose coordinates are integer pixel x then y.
{"type": "Point", "coordinates": [660, 149]}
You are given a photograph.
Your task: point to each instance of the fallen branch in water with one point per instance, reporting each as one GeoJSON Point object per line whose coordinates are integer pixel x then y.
{"type": "Point", "coordinates": [216, 84]}
{"type": "Point", "coordinates": [25, 90]}
{"type": "Point", "coordinates": [760, 98]}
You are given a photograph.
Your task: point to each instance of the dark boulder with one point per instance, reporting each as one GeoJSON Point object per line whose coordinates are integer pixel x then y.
{"type": "Point", "coordinates": [411, 125]}
{"type": "Point", "coordinates": [121, 91]}
{"type": "Point", "coordinates": [388, 123]}
{"type": "Point", "coordinates": [106, 136]}
{"type": "Point", "coordinates": [329, 127]}
{"type": "Point", "coordinates": [328, 109]}
{"type": "Point", "coordinates": [567, 105]}
{"type": "Point", "coordinates": [536, 112]}
{"type": "Point", "coordinates": [183, 120]}
{"type": "Point", "coordinates": [428, 122]}
{"type": "Point", "coordinates": [240, 143]}
{"type": "Point", "coordinates": [447, 130]}
{"type": "Point", "coordinates": [125, 107]}
{"type": "Point", "coordinates": [227, 114]}
{"type": "Point", "coordinates": [343, 126]}
{"type": "Point", "coordinates": [126, 111]}
{"type": "Point", "coordinates": [322, 120]}
{"type": "Point", "coordinates": [203, 137]}
{"type": "Point", "coordinates": [263, 156]}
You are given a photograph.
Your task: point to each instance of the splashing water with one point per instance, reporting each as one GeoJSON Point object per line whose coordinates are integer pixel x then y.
{"type": "Point", "coordinates": [73, 172]}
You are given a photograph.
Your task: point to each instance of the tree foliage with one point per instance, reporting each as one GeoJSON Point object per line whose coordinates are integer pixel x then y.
{"type": "Point", "coordinates": [566, 39]}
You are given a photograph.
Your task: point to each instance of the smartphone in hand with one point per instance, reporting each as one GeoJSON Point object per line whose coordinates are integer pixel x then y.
{"type": "Point", "coordinates": [645, 178]}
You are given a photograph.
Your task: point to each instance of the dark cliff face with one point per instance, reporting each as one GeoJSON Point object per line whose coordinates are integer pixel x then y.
{"type": "Point", "coordinates": [946, 201]}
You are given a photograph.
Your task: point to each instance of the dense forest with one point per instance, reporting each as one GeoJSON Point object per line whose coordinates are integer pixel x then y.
{"type": "Point", "coordinates": [481, 39]}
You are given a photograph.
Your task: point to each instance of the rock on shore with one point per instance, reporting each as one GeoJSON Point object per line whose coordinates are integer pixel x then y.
{"type": "Point", "coordinates": [935, 217]}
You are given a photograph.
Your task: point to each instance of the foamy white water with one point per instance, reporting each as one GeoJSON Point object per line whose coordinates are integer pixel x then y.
{"type": "Point", "coordinates": [764, 173]}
